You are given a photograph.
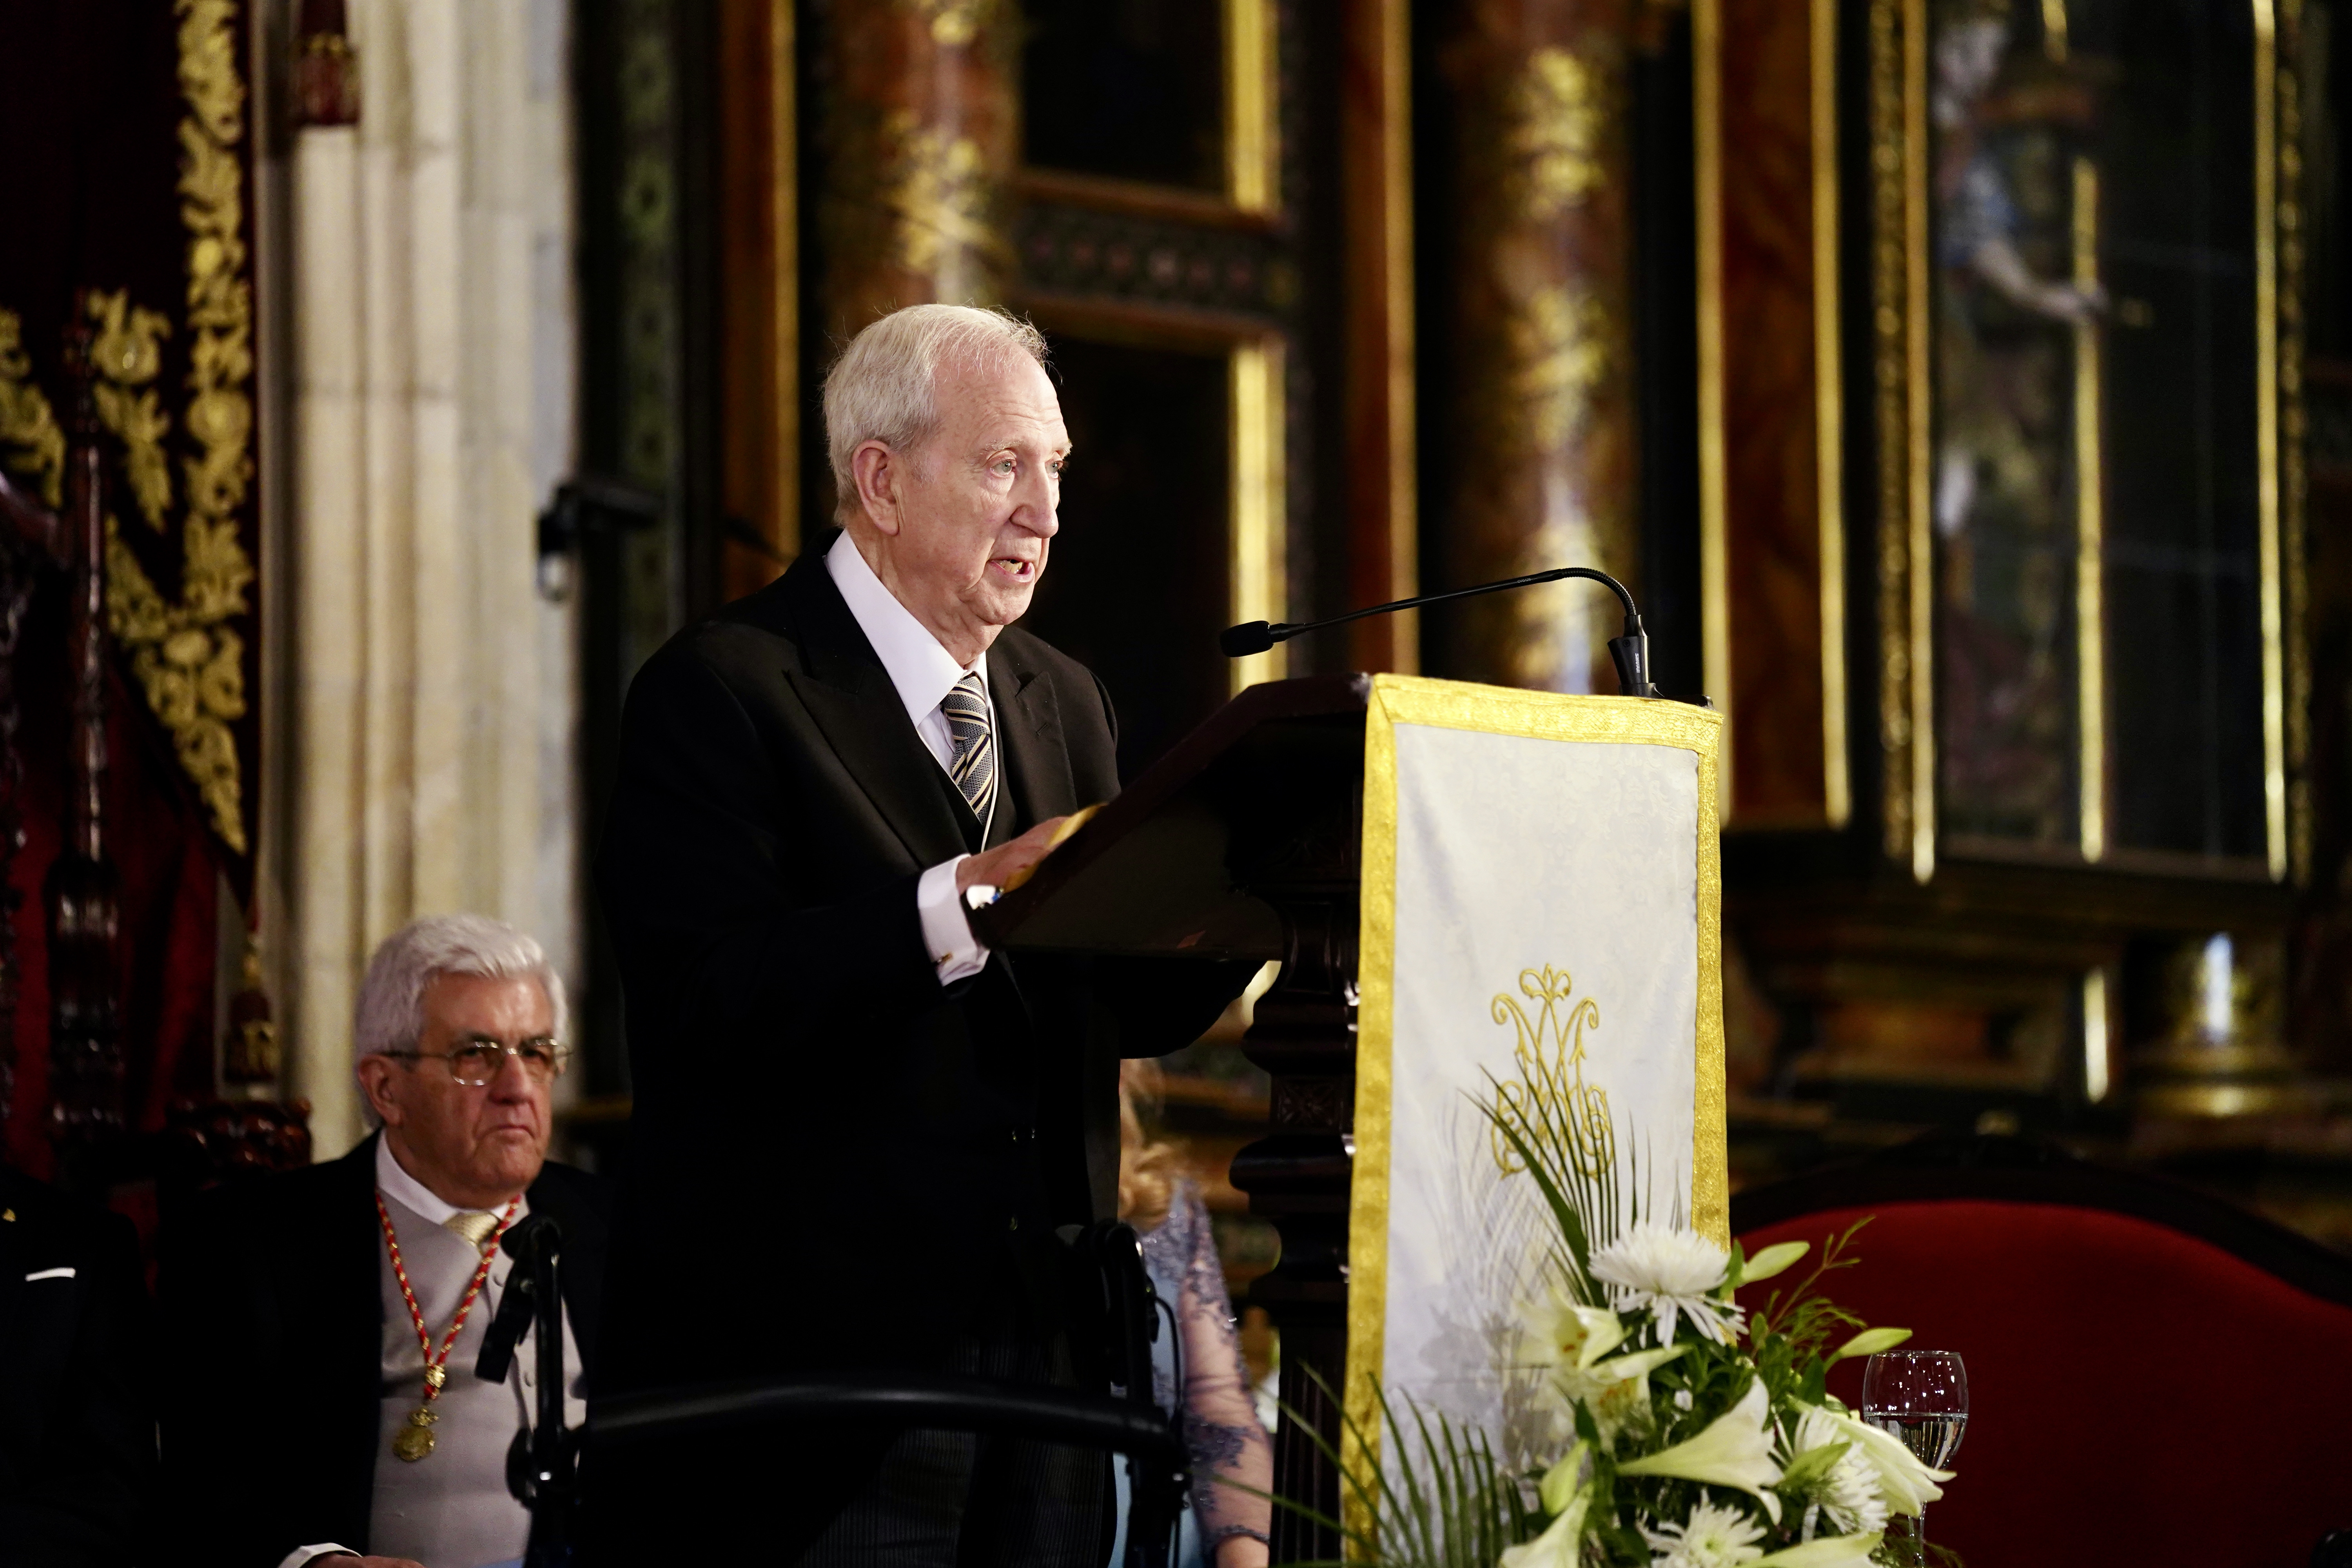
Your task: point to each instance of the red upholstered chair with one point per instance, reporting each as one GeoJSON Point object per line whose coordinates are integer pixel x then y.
{"type": "Point", "coordinates": [2156, 1378]}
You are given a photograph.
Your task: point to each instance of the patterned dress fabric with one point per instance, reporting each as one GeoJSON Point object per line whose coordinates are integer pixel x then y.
{"type": "Point", "coordinates": [1230, 1450]}
{"type": "Point", "coordinates": [974, 764]}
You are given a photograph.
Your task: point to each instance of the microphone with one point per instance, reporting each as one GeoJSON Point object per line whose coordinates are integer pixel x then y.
{"type": "Point", "coordinates": [1630, 652]}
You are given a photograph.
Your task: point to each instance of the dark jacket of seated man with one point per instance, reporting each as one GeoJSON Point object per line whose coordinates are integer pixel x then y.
{"type": "Point", "coordinates": [292, 1361]}
{"type": "Point", "coordinates": [839, 1165]}
{"type": "Point", "coordinates": [77, 1417]}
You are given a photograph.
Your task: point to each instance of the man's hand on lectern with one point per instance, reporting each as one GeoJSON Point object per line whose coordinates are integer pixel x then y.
{"type": "Point", "coordinates": [990, 868]}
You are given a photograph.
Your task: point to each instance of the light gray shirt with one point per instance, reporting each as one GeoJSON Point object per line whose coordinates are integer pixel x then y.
{"type": "Point", "coordinates": [450, 1509]}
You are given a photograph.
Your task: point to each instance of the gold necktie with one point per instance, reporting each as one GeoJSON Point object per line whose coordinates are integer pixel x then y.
{"type": "Point", "coordinates": [474, 1226]}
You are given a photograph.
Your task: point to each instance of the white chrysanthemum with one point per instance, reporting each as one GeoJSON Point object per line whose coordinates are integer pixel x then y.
{"type": "Point", "coordinates": [1848, 1493]}
{"type": "Point", "coordinates": [1669, 1272]}
{"type": "Point", "coordinates": [1713, 1537]}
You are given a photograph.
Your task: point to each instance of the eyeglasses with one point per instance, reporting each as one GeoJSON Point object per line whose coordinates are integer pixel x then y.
{"type": "Point", "coordinates": [479, 1059]}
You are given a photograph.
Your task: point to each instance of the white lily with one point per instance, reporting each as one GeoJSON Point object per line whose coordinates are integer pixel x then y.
{"type": "Point", "coordinates": [1567, 1481]}
{"type": "Point", "coordinates": [1617, 1391]}
{"type": "Point", "coordinates": [1733, 1451]}
{"type": "Point", "coordinates": [1772, 1260]}
{"type": "Point", "coordinates": [1669, 1272]}
{"type": "Point", "coordinates": [1829, 1551]}
{"type": "Point", "coordinates": [1560, 1332]}
{"type": "Point", "coordinates": [1567, 1494]}
{"type": "Point", "coordinates": [1712, 1537]}
{"type": "Point", "coordinates": [1906, 1483]}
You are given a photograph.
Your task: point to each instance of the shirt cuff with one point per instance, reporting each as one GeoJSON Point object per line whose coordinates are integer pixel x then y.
{"type": "Point", "coordinates": [947, 934]}
{"type": "Point", "coordinates": [301, 1554]}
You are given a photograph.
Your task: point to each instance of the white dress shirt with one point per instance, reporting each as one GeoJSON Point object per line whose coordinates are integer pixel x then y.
{"type": "Point", "coordinates": [923, 673]}
{"type": "Point", "coordinates": [393, 1181]}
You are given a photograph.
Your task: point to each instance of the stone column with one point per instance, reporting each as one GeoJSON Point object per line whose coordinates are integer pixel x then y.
{"type": "Point", "coordinates": [1536, 424]}
{"type": "Point", "coordinates": [918, 132]}
{"type": "Point", "coordinates": [431, 691]}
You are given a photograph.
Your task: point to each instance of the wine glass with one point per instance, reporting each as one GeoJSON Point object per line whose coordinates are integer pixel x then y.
{"type": "Point", "coordinates": [1922, 1397]}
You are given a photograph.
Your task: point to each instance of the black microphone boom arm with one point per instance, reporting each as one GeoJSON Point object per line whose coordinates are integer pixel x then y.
{"type": "Point", "coordinates": [1630, 652]}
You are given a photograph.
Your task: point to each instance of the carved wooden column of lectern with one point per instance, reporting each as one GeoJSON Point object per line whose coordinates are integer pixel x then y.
{"type": "Point", "coordinates": [1245, 842]}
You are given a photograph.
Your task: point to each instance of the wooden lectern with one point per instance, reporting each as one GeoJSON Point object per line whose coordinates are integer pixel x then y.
{"type": "Point", "coordinates": [1245, 842]}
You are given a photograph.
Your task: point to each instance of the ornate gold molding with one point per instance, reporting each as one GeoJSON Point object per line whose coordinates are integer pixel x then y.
{"type": "Point", "coordinates": [1558, 352]}
{"type": "Point", "coordinates": [1259, 569]}
{"type": "Point", "coordinates": [28, 424]}
{"type": "Point", "coordinates": [953, 23]}
{"type": "Point", "coordinates": [127, 355]}
{"type": "Point", "coordinates": [1556, 131]}
{"type": "Point", "coordinates": [2090, 525]}
{"type": "Point", "coordinates": [1253, 116]}
{"type": "Point", "coordinates": [1899, 283]}
{"type": "Point", "coordinates": [187, 657]}
{"type": "Point", "coordinates": [1889, 383]}
{"type": "Point", "coordinates": [1714, 489]}
{"type": "Point", "coordinates": [2294, 480]}
{"type": "Point", "coordinates": [1829, 415]}
{"type": "Point", "coordinates": [942, 204]}
{"type": "Point", "coordinates": [186, 654]}
{"type": "Point", "coordinates": [2267, 76]}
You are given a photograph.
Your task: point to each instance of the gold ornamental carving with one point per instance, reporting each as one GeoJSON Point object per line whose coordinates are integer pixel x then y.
{"type": "Point", "coordinates": [1556, 131]}
{"type": "Point", "coordinates": [953, 23]}
{"type": "Point", "coordinates": [1558, 352]}
{"type": "Point", "coordinates": [185, 653]}
{"type": "Point", "coordinates": [940, 197]}
{"type": "Point", "coordinates": [128, 354]}
{"type": "Point", "coordinates": [36, 445]}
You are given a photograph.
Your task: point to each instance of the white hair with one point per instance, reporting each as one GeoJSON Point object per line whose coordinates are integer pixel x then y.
{"type": "Point", "coordinates": [883, 387]}
{"type": "Point", "coordinates": [390, 1014]}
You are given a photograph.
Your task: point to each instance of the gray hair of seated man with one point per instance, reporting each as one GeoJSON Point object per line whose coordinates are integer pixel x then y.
{"type": "Point", "coordinates": [390, 1014]}
{"type": "Point", "coordinates": [883, 386]}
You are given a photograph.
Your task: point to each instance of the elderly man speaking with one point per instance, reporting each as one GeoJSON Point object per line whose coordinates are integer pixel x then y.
{"type": "Point", "coordinates": [857, 1130]}
{"type": "Point", "coordinates": [322, 1327]}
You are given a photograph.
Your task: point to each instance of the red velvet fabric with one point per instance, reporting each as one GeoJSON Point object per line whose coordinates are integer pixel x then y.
{"type": "Point", "coordinates": [169, 883]}
{"type": "Point", "coordinates": [2136, 1394]}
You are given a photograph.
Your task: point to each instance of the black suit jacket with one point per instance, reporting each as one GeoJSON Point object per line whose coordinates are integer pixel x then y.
{"type": "Point", "coordinates": [77, 1413]}
{"type": "Point", "coordinates": [273, 1341]}
{"type": "Point", "coordinates": [811, 1105]}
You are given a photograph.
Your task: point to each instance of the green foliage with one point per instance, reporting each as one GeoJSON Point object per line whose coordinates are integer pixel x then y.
{"type": "Point", "coordinates": [1789, 1334]}
{"type": "Point", "coordinates": [1442, 1502]}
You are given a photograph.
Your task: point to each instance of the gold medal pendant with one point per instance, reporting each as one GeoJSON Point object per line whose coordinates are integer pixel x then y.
{"type": "Point", "coordinates": [415, 1439]}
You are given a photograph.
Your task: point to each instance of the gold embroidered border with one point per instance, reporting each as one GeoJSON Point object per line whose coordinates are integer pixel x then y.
{"type": "Point", "coordinates": [1536, 715]}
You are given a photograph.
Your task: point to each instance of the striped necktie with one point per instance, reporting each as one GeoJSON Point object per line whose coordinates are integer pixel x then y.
{"type": "Point", "coordinates": [473, 1225]}
{"type": "Point", "coordinates": [973, 765]}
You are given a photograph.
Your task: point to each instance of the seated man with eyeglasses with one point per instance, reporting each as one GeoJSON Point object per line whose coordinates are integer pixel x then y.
{"type": "Point", "coordinates": [321, 1328]}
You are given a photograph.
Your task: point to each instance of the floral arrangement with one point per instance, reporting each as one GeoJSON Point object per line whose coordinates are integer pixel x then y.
{"type": "Point", "coordinates": [1689, 1427]}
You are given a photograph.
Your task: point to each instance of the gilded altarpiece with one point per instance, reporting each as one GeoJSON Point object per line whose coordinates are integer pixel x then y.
{"type": "Point", "coordinates": [2089, 552]}
{"type": "Point", "coordinates": [2042, 541]}
{"type": "Point", "coordinates": [129, 194]}
{"type": "Point", "coordinates": [144, 212]}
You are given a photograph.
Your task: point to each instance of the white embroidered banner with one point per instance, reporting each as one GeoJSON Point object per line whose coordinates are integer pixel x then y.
{"type": "Point", "coordinates": [1540, 897]}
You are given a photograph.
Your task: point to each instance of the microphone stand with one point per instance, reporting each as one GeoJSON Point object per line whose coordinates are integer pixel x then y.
{"type": "Point", "coordinates": [543, 1465]}
{"type": "Point", "coordinates": [1629, 652]}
